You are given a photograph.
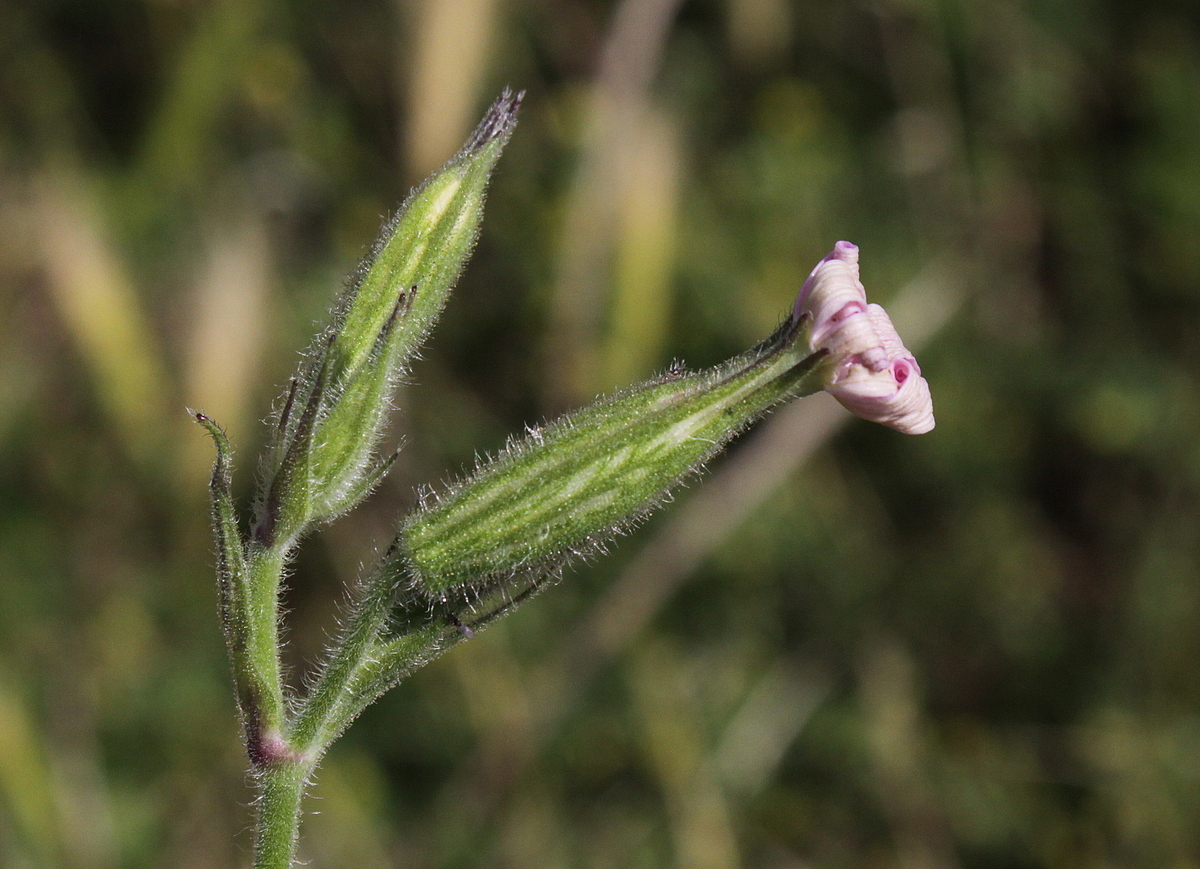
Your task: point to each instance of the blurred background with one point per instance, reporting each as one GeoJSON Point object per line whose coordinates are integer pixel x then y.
{"type": "Point", "coordinates": [844, 647]}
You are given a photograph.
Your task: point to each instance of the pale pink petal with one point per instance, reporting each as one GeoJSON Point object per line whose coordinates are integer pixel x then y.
{"type": "Point", "coordinates": [874, 375]}
{"type": "Point", "coordinates": [832, 292]}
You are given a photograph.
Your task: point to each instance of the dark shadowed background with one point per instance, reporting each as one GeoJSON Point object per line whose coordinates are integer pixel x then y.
{"type": "Point", "coordinates": [978, 648]}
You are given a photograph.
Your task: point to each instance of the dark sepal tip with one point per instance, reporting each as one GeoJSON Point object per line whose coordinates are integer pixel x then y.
{"type": "Point", "coordinates": [209, 423]}
{"type": "Point", "coordinates": [465, 630]}
{"type": "Point", "coordinates": [286, 413]}
{"type": "Point", "coordinates": [497, 123]}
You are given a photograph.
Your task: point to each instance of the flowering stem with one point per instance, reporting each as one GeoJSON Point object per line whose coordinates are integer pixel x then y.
{"type": "Point", "coordinates": [321, 718]}
{"type": "Point", "coordinates": [280, 772]}
{"type": "Point", "coordinates": [487, 543]}
{"type": "Point", "coordinates": [281, 788]}
{"type": "Point", "coordinates": [264, 709]}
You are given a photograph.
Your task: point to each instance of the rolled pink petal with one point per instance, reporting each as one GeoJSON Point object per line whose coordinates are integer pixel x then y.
{"type": "Point", "coordinates": [832, 292]}
{"type": "Point", "coordinates": [883, 383]}
{"type": "Point", "coordinates": [873, 375]}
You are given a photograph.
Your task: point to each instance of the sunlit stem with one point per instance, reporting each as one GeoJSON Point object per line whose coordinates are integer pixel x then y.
{"type": "Point", "coordinates": [281, 789]}
{"type": "Point", "coordinates": [319, 720]}
{"type": "Point", "coordinates": [267, 719]}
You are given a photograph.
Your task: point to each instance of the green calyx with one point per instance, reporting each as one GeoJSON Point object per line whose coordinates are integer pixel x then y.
{"type": "Point", "coordinates": [568, 489]}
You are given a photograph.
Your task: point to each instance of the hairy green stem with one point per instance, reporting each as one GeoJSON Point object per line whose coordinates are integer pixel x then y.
{"type": "Point", "coordinates": [266, 714]}
{"type": "Point", "coordinates": [281, 789]}
{"type": "Point", "coordinates": [318, 721]}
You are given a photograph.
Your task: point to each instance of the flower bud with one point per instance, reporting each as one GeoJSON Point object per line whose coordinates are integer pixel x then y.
{"type": "Point", "coordinates": [870, 372]}
{"type": "Point", "coordinates": [322, 460]}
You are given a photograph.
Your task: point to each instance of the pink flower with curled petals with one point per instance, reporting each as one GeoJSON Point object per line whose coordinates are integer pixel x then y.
{"type": "Point", "coordinates": [872, 373]}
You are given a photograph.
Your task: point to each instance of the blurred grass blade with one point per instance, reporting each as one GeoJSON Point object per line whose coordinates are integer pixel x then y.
{"type": "Point", "coordinates": [451, 46]}
{"type": "Point", "coordinates": [103, 315]}
{"type": "Point", "coordinates": [645, 252]}
{"type": "Point", "coordinates": [208, 70]}
{"type": "Point", "coordinates": [228, 331]}
{"type": "Point", "coordinates": [26, 784]}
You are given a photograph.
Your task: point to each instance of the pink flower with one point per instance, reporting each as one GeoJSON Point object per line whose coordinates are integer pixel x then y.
{"type": "Point", "coordinates": [873, 375]}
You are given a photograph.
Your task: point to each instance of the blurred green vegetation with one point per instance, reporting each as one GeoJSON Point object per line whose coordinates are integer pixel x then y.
{"type": "Point", "coordinates": [845, 648]}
